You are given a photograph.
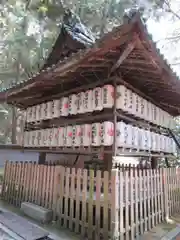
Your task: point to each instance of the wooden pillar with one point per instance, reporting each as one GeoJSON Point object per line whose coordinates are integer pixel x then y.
{"type": "Point", "coordinates": [79, 161]}
{"type": "Point", "coordinates": [115, 177]}
{"type": "Point", "coordinates": [167, 162]}
{"type": "Point", "coordinates": [107, 162]}
{"type": "Point", "coordinates": [114, 147]}
{"type": "Point", "coordinates": [154, 162]}
{"type": "Point", "coordinates": [42, 158]}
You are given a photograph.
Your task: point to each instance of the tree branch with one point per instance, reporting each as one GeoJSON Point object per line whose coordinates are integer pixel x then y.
{"type": "Point", "coordinates": [175, 64]}
{"type": "Point", "coordinates": [173, 38]}
{"type": "Point", "coordinates": [170, 9]}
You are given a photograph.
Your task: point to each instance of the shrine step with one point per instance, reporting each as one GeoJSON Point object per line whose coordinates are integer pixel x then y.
{"type": "Point", "coordinates": [36, 212]}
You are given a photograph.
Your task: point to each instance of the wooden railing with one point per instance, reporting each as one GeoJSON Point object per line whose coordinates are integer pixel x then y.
{"type": "Point", "coordinates": [112, 204]}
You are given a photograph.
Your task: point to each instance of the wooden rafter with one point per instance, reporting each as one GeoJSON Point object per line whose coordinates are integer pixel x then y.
{"type": "Point", "coordinates": [169, 105]}
{"type": "Point", "coordinates": [149, 79]}
{"type": "Point", "coordinates": [139, 69]}
{"type": "Point", "coordinates": [149, 56]}
{"type": "Point", "coordinates": [92, 65]}
{"type": "Point", "coordinates": [136, 61]}
{"type": "Point", "coordinates": [124, 55]}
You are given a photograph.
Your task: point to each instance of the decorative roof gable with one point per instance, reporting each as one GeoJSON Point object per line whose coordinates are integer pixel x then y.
{"type": "Point", "coordinates": [73, 37]}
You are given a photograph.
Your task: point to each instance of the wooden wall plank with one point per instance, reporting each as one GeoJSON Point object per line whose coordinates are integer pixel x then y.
{"type": "Point", "coordinates": [145, 199]}
{"type": "Point", "coordinates": [72, 197]}
{"type": "Point", "coordinates": [136, 202]}
{"type": "Point", "coordinates": [178, 190]}
{"type": "Point", "coordinates": [12, 183]}
{"type": "Point", "coordinates": [152, 197]}
{"type": "Point", "coordinates": [31, 182]}
{"type": "Point", "coordinates": [158, 195]}
{"type": "Point", "coordinates": [126, 200]}
{"type": "Point", "coordinates": [148, 200]}
{"type": "Point", "coordinates": [48, 186]}
{"type": "Point", "coordinates": [84, 202]}
{"type": "Point", "coordinates": [22, 181]}
{"type": "Point", "coordinates": [9, 182]}
{"type": "Point", "coordinates": [18, 181]}
{"type": "Point", "coordinates": [78, 193]}
{"type": "Point", "coordinates": [35, 186]}
{"type": "Point", "coordinates": [44, 185]}
{"type": "Point", "coordinates": [61, 188]}
{"type": "Point", "coordinates": [58, 171]}
{"type": "Point", "coordinates": [121, 205]}
{"type": "Point", "coordinates": [39, 182]}
{"type": "Point", "coordinates": [132, 204]}
{"type": "Point", "coordinates": [66, 197]}
{"type": "Point", "coordinates": [51, 186]}
{"type": "Point", "coordinates": [5, 181]}
{"type": "Point", "coordinates": [90, 203]}
{"type": "Point", "coordinates": [141, 220]}
{"type": "Point", "coordinates": [98, 204]}
{"type": "Point", "coordinates": [162, 195]}
{"type": "Point", "coordinates": [175, 190]}
{"type": "Point", "coordinates": [15, 184]}
{"type": "Point", "coordinates": [155, 196]}
{"type": "Point", "coordinates": [105, 204]}
{"type": "Point", "coordinates": [27, 181]}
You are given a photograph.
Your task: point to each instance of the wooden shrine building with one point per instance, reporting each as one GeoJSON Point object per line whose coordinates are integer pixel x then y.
{"type": "Point", "coordinates": [115, 96]}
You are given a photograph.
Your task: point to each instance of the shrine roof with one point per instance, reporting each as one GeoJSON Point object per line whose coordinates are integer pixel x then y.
{"type": "Point", "coordinates": [127, 52]}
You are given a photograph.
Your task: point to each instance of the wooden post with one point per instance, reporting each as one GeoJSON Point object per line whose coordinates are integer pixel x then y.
{"type": "Point", "coordinates": [154, 162]}
{"type": "Point", "coordinates": [115, 181]}
{"type": "Point", "coordinates": [107, 162]}
{"type": "Point", "coordinates": [165, 186]}
{"type": "Point", "coordinates": [114, 152]}
{"type": "Point", "coordinates": [42, 158]}
{"type": "Point", "coordinates": [167, 162]}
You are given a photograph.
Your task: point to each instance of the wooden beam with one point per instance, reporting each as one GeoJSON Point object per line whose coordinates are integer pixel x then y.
{"type": "Point", "coordinates": [70, 91]}
{"type": "Point", "coordinates": [71, 151]}
{"type": "Point", "coordinates": [123, 55]}
{"type": "Point", "coordinates": [143, 154]}
{"type": "Point", "coordinates": [64, 121]}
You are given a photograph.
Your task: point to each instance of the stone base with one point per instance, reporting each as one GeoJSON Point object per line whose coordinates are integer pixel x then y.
{"type": "Point", "coordinates": [36, 212]}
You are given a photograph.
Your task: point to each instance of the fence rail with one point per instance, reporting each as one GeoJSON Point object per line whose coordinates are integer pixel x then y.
{"type": "Point", "coordinates": [97, 204]}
